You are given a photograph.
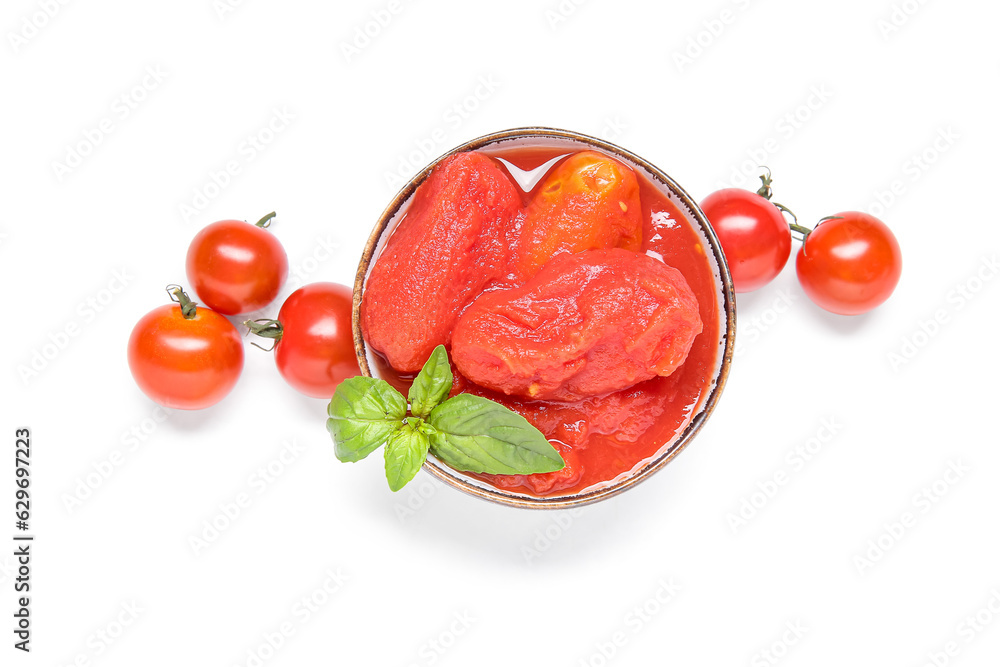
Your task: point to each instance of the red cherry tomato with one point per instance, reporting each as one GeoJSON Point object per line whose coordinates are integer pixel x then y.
{"type": "Point", "coordinates": [314, 351]}
{"type": "Point", "coordinates": [236, 267]}
{"type": "Point", "coordinates": [187, 363]}
{"type": "Point", "coordinates": [849, 264]}
{"type": "Point", "coordinates": [754, 235]}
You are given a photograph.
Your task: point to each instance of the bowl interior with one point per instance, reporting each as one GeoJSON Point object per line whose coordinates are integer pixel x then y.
{"type": "Point", "coordinates": [572, 141]}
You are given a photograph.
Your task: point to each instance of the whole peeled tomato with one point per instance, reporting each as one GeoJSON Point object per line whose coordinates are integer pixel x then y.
{"type": "Point", "coordinates": [587, 324]}
{"type": "Point", "coordinates": [314, 348]}
{"type": "Point", "coordinates": [452, 242]}
{"type": "Point", "coordinates": [754, 235]}
{"type": "Point", "coordinates": [185, 356]}
{"type": "Point", "coordinates": [850, 263]}
{"type": "Point", "coordinates": [589, 201]}
{"type": "Point", "coordinates": [236, 267]}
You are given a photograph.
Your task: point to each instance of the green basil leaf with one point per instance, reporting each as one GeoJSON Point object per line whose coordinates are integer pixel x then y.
{"type": "Point", "coordinates": [363, 413]}
{"type": "Point", "coordinates": [432, 384]}
{"type": "Point", "coordinates": [475, 434]}
{"type": "Point", "coordinates": [404, 454]}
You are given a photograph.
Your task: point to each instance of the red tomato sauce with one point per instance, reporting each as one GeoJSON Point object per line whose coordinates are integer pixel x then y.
{"type": "Point", "coordinates": [602, 437]}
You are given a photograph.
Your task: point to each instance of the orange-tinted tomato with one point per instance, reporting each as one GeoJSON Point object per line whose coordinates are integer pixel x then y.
{"type": "Point", "coordinates": [588, 201]}
{"type": "Point", "coordinates": [185, 363]}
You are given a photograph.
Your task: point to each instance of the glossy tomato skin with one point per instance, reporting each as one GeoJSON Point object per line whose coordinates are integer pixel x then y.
{"type": "Point", "coordinates": [316, 349]}
{"type": "Point", "coordinates": [236, 267]}
{"type": "Point", "coordinates": [185, 364]}
{"type": "Point", "coordinates": [754, 235]}
{"type": "Point", "coordinates": [850, 264]}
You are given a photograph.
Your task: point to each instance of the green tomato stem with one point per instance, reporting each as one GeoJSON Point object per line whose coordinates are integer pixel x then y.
{"type": "Point", "coordinates": [794, 225]}
{"type": "Point", "coordinates": [805, 231]}
{"type": "Point", "coordinates": [765, 188]}
{"type": "Point", "coordinates": [188, 307]}
{"type": "Point", "coordinates": [265, 329]}
{"type": "Point", "coordinates": [766, 192]}
{"type": "Point", "coordinates": [265, 222]}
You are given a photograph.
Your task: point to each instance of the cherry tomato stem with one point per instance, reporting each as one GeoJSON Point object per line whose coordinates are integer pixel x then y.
{"type": "Point", "coordinates": [188, 307]}
{"type": "Point", "coordinates": [265, 222]}
{"type": "Point", "coordinates": [765, 184]}
{"type": "Point", "coordinates": [265, 329]}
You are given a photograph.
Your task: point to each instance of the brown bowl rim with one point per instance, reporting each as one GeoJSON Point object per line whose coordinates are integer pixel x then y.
{"type": "Point", "coordinates": [444, 473]}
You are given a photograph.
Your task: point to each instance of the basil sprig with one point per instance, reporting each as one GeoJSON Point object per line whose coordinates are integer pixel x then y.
{"type": "Point", "coordinates": [468, 432]}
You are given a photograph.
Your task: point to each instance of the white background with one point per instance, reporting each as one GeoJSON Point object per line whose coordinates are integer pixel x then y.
{"type": "Point", "coordinates": [836, 103]}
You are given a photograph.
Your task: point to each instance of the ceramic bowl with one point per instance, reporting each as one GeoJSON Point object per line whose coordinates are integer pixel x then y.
{"type": "Point", "coordinates": [573, 141]}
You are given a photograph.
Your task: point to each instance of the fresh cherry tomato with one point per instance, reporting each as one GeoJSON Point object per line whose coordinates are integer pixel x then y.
{"type": "Point", "coordinates": [314, 348]}
{"type": "Point", "coordinates": [185, 356]}
{"type": "Point", "coordinates": [754, 235]}
{"type": "Point", "coordinates": [236, 267]}
{"type": "Point", "coordinates": [849, 263]}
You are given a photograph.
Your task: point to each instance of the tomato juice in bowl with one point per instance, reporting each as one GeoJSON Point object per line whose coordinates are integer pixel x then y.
{"type": "Point", "coordinates": [612, 440]}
